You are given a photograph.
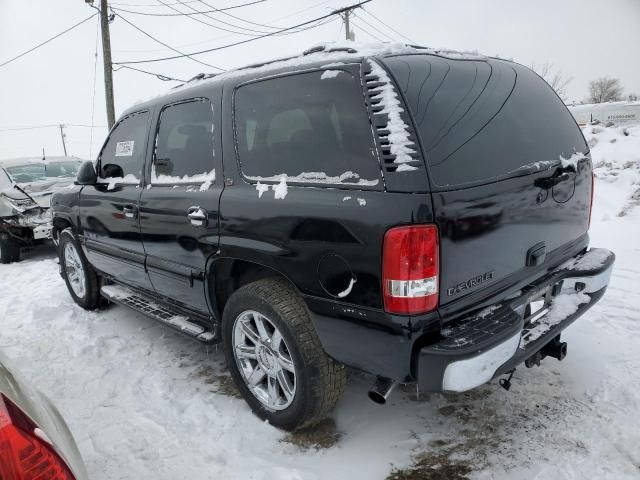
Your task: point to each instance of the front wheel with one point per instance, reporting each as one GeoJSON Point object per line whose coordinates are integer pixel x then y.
{"type": "Point", "coordinates": [81, 279]}
{"type": "Point", "coordinates": [275, 357]}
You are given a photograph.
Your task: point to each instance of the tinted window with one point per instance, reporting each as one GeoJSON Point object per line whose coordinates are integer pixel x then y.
{"type": "Point", "coordinates": [184, 145]}
{"type": "Point", "coordinates": [482, 120]}
{"type": "Point", "coordinates": [124, 152]}
{"type": "Point", "coordinates": [303, 124]}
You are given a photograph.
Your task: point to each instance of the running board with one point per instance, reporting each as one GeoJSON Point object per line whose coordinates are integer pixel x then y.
{"type": "Point", "coordinates": [152, 308]}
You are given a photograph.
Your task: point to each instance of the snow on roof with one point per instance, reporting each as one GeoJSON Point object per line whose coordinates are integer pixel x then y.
{"type": "Point", "coordinates": [325, 52]}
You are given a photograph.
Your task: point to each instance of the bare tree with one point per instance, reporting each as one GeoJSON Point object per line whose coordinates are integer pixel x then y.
{"type": "Point", "coordinates": [554, 78]}
{"type": "Point", "coordinates": [605, 89]}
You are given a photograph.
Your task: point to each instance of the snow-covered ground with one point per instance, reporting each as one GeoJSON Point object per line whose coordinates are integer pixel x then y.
{"type": "Point", "coordinates": [146, 403]}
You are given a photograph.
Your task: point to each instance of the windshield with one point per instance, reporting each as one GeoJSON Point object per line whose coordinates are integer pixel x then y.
{"type": "Point", "coordinates": [35, 172]}
{"type": "Point", "coordinates": [5, 181]}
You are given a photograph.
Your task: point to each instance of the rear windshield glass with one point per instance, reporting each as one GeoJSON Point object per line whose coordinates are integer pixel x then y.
{"type": "Point", "coordinates": [483, 120]}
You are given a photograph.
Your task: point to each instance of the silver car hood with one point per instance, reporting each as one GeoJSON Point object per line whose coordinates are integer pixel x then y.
{"type": "Point", "coordinates": [40, 409]}
{"type": "Point", "coordinates": [42, 191]}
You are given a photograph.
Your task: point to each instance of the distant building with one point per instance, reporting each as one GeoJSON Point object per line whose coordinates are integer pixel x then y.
{"type": "Point", "coordinates": [616, 113]}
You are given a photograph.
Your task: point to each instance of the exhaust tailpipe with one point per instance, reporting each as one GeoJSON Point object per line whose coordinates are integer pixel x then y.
{"type": "Point", "coordinates": [381, 390]}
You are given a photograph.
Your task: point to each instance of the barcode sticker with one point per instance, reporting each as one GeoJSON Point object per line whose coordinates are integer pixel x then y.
{"type": "Point", "coordinates": [124, 149]}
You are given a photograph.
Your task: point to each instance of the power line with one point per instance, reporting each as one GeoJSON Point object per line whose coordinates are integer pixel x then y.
{"type": "Point", "coordinates": [217, 27]}
{"type": "Point", "coordinates": [164, 78]}
{"type": "Point", "coordinates": [374, 28]}
{"type": "Point", "coordinates": [52, 125]}
{"type": "Point", "coordinates": [375, 37]}
{"type": "Point", "coordinates": [153, 6]}
{"type": "Point", "coordinates": [241, 42]}
{"type": "Point", "coordinates": [236, 17]}
{"type": "Point", "coordinates": [47, 41]}
{"type": "Point", "coordinates": [388, 26]}
{"type": "Point", "coordinates": [166, 45]}
{"type": "Point", "coordinates": [181, 14]}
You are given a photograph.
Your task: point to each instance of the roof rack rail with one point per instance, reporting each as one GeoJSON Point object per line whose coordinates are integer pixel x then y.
{"type": "Point", "coordinates": [323, 48]}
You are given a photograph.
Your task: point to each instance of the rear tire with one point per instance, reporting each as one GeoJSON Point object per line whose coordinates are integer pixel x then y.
{"type": "Point", "coordinates": [9, 249]}
{"type": "Point", "coordinates": [82, 280]}
{"type": "Point", "coordinates": [317, 381]}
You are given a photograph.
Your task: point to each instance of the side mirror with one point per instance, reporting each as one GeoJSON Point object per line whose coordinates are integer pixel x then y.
{"type": "Point", "coordinates": [86, 174]}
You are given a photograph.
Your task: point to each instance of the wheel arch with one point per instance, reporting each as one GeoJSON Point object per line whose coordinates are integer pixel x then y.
{"type": "Point", "coordinates": [226, 275]}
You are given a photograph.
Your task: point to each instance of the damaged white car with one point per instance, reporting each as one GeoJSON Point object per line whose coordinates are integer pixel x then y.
{"type": "Point", "coordinates": [26, 187]}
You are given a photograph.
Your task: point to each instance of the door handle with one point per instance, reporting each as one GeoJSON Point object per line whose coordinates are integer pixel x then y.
{"type": "Point", "coordinates": [129, 211]}
{"type": "Point", "coordinates": [197, 216]}
{"type": "Point", "coordinates": [560, 175]}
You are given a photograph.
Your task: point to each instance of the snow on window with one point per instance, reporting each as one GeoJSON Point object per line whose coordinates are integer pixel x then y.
{"type": "Point", "coordinates": [349, 178]}
{"type": "Point", "coordinates": [400, 144]}
{"type": "Point", "coordinates": [205, 178]}
{"type": "Point", "coordinates": [330, 74]}
{"type": "Point", "coordinates": [280, 189]}
{"type": "Point", "coordinates": [261, 188]}
{"type": "Point", "coordinates": [111, 182]}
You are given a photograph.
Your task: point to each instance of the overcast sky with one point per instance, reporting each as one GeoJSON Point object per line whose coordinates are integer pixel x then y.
{"type": "Point", "coordinates": [585, 39]}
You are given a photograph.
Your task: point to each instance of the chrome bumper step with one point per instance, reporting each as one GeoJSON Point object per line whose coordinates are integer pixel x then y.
{"type": "Point", "coordinates": [160, 312]}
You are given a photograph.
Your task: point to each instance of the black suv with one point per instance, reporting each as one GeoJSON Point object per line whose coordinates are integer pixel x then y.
{"type": "Point", "coordinates": [416, 214]}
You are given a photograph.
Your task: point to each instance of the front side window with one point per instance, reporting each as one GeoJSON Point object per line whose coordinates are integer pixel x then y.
{"type": "Point", "coordinates": [184, 144]}
{"type": "Point", "coordinates": [309, 127]}
{"type": "Point", "coordinates": [123, 154]}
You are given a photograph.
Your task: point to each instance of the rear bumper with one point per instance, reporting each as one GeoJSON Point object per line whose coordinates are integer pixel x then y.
{"type": "Point", "coordinates": [480, 347]}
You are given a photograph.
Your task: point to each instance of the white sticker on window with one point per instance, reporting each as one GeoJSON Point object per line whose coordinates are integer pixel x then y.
{"type": "Point", "coordinates": [124, 149]}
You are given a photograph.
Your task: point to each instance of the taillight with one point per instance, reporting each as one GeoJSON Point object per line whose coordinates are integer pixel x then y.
{"type": "Point", "coordinates": [410, 268]}
{"type": "Point", "coordinates": [24, 455]}
{"type": "Point", "coordinates": [593, 188]}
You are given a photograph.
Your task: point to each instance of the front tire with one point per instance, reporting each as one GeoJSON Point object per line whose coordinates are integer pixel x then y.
{"type": "Point", "coordinates": [275, 357]}
{"type": "Point", "coordinates": [81, 279]}
{"type": "Point", "coordinates": [9, 249]}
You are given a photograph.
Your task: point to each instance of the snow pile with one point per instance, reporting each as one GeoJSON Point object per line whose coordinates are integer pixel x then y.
{"type": "Point", "coordinates": [399, 137]}
{"type": "Point", "coordinates": [563, 306]}
{"type": "Point", "coordinates": [616, 159]}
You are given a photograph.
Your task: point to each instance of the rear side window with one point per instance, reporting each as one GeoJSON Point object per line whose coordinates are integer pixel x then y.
{"type": "Point", "coordinates": [309, 127]}
{"type": "Point", "coordinates": [124, 152]}
{"type": "Point", "coordinates": [484, 120]}
{"type": "Point", "coordinates": [184, 143]}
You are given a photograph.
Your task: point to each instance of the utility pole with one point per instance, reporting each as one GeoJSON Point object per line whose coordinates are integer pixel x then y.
{"type": "Point", "coordinates": [345, 13]}
{"type": "Point", "coordinates": [347, 28]}
{"type": "Point", "coordinates": [62, 135]}
{"type": "Point", "coordinates": [106, 57]}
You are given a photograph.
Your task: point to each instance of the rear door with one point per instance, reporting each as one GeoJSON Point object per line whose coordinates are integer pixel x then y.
{"type": "Point", "coordinates": [499, 145]}
{"type": "Point", "coordinates": [109, 210]}
{"type": "Point", "coordinates": [179, 206]}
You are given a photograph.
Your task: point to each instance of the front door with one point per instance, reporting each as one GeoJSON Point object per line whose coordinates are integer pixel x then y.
{"type": "Point", "coordinates": [179, 205]}
{"type": "Point", "coordinates": [109, 220]}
